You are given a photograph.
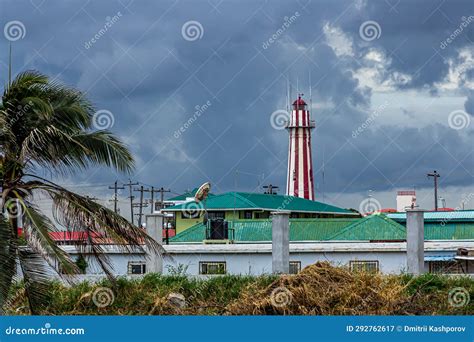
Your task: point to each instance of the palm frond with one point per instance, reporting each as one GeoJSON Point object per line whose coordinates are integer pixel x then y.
{"type": "Point", "coordinates": [36, 278]}
{"type": "Point", "coordinates": [36, 229]}
{"type": "Point", "coordinates": [105, 149]}
{"type": "Point", "coordinates": [8, 258]}
{"type": "Point", "coordinates": [96, 222]}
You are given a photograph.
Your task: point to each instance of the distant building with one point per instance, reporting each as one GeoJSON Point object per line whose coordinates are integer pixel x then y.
{"type": "Point", "coordinates": [406, 199]}
{"type": "Point", "coordinates": [233, 206]}
{"type": "Point", "coordinates": [373, 243]}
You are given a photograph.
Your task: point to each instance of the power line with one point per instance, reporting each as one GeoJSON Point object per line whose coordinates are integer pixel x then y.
{"type": "Point", "coordinates": [140, 205]}
{"type": "Point", "coordinates": [162, 192]}
{"type": "Point", "coordinates": [115, 200]}
{"type": "Point", "coordinates": [131, 197]}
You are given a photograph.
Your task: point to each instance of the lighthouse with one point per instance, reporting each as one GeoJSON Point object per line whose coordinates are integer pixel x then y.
{"type": "Point", "coordinates": [300, 163]}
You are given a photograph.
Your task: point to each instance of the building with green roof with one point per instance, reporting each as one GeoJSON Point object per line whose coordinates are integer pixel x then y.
{"type": "Point", "coordinates": [236, 206]}
{"type": "Point", "coordinates": [375, 243]}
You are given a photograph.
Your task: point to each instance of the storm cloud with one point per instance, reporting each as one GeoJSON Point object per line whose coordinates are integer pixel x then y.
{"type": "Point", "coordinates": [192, 85]}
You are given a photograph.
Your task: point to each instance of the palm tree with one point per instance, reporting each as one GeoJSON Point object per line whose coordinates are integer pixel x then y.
{"type": "Point", "coordinates": [48, 127]}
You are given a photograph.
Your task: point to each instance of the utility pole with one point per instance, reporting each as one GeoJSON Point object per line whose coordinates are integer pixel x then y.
{"type": "Point", "coordinates": [162, 195]}
{"type": "Point", "coordinates": [435, 176]}
{"type": "Point", "coordinates": [115, 200]}
{"type": "Point", "coordinates": [130, 185]}
{"type": "Point", "coordinates": [162, 199]}
{"type": "Point", "coordinates": [141, 205]}
{"type": "Point", "coordinates": [269, 189]}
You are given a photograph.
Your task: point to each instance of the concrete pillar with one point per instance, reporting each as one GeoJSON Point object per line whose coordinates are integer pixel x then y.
{"type": "Point", "coordinates": [415, 241]}
{"type": "Point", "coordinates": [281, 242]}
{"type": "Point", "coordinates": [154, 228]}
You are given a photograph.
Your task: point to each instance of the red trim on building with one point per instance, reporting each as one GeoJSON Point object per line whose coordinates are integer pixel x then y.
{"type": "Point", "coordinates": [305, 158]}
{"type": "Point", "coordinates": [297, 161]}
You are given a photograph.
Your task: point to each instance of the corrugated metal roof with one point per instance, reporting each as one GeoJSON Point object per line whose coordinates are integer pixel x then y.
{"type": "Point", "coordinates": [261, 230]}
{"type": "Point", "coordinates": [253, 201]}
{"type": "Point", "coordinates": [376, 227]}
{"type": "Point", "coordinates": [449, 231]}
{"type": "Point", "coordinates": [466, 215]}
{"type": "Point", "coordinates": [440, 257]}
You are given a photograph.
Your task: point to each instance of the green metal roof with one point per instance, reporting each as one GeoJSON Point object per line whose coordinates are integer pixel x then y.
{"type": "Point", "coordinates": [371, 228]}
{"type": "Point", "coordinates": [261, 230]}
{"type": "Point", "coordinates": [374, 227]}
{"type": "Point", "coordinates": [449, 231]}
{"type": "Point", "coordinates": [457, 215]}
{"type": "Point", "coordinates": [253, 201]}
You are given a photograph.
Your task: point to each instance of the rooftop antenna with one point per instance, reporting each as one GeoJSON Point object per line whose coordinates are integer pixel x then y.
{"type": "Point", "coordinates": [288, 96]}
{"type": "Point", "coordinates": [323, 172]}
{"type": "Point", "coordinates": [310, 95]}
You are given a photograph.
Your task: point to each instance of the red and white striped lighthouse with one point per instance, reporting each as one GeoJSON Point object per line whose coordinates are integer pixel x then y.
{"type": "Point", "coordinates": [300, 163]}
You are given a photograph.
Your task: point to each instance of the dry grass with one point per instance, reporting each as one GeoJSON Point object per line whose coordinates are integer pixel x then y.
{"type": "Point", "coordinates": [319, 289]}
{"type": "Point", "coordinates": [322, 289]}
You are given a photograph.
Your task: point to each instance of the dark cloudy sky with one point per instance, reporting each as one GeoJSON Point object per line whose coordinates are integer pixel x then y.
{"type": "Point", "coordinates": [392, 88]}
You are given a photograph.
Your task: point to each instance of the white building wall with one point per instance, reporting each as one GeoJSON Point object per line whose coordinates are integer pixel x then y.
{"type": "Point", "coordinates": [405, 201]}
{"type": "Point", "coordinates": [257, 264]}
{"type": "Point", "coordinates": [257, 259]}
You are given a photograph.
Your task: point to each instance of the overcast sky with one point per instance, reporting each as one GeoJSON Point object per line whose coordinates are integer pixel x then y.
{"type": "Point", "coordinates": [191, 87]}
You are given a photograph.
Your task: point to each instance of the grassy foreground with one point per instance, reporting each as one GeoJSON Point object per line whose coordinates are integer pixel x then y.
{"type": "Point", "coordinates": [319, 289]}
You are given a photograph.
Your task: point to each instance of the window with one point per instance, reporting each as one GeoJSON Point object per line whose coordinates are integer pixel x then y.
{"type": "Point", "coordinates": [364, 266]}
{"type": "Point", "coordinates": [216, 215]}
{"type": "Point", "coordinates": [447, 267]}
{"type": "Point", "coordinates": [247, 215]}
{"type": "Point", "coordinates": [206, 267]}
{"type": "Point", "coordinates": [263, 215]}
{"type": "Point", "coordinates": [295, 267]}
{"type": "Point", "coordinates": [136, 267]}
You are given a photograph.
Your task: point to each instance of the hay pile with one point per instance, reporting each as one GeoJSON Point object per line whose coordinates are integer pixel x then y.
{"type": "Point", "coordinates": [322, 289]}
